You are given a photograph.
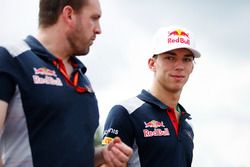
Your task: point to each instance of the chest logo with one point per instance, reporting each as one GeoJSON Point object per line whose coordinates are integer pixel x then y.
{"type": "Point", "coordinates": [155, 128]}
{"type": "Point", "coordinates": [46, 76]}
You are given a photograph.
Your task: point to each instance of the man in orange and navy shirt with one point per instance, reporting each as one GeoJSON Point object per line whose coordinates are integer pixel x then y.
{"type": "Point", "coordinates": [48, 110]}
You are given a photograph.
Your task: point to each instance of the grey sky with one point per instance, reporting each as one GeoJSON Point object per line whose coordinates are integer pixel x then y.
{"type": "Point", "coordinates": [218, 92]}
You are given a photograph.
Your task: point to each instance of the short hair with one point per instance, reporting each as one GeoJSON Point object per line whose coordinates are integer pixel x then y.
{"type": "Point", "coordinates": [49, 10]}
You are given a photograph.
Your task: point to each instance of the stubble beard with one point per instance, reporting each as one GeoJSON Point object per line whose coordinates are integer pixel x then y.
{"type": "Point", "coordinates": [76, 42]}
{"type": "Point", "coordinates": [76, 45]}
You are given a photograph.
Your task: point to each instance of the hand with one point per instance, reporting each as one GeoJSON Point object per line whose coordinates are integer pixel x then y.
{"type": "Point", "coordinates": [116, 154]}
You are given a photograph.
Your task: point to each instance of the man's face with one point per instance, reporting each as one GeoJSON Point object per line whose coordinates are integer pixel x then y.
{"type": "Point", "coordinates": [172, 69]}
{"type": "Point", "coordinates": [86, 28]}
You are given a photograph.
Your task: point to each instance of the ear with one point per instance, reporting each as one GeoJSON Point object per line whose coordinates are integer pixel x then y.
{"type": "Point", "coordinates": [68, 15]}
{"type": "Point", "coordinates": [151, 64]}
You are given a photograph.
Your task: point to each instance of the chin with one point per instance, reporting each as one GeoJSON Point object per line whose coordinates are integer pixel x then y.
{"type": "Point", "coordinates": [83, 52]}
{"type": "Point", "coordinates": [86, 51]}
{"type": "Point", "coordinates": [177, 88]}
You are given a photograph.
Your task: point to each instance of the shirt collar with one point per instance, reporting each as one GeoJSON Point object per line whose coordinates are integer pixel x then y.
{"type": "Point", "coordinates": [42, 52]}
{"type": "Point", "coordinates": [149, 98]}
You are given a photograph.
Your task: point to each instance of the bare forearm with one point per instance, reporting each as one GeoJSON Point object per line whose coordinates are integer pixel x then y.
{"type": "Point", "coordinates": [99, 159]}
{"type": "Point", "coordinates": [1, 162]}
{"type": "Point", "coordinates": [3, 113]}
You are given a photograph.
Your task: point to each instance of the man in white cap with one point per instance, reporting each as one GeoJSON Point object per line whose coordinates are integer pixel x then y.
{"type": "Point", "coordinates": [154, 123]}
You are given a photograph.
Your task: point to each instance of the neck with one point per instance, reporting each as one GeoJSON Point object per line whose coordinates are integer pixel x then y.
{"type": "Point", "coordinates": [167, 97]}
{"type": "Point", "coordinates": [53, 40]}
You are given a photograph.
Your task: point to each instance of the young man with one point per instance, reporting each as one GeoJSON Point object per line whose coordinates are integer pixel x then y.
{"type": "Point", "coordinates": [154, 123]}
{"type": "Point", "coordinates": [48, 109]}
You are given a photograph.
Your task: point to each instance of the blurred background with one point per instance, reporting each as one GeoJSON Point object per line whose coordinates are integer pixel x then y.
{"type": "Point", "coordinates": [218, 92]}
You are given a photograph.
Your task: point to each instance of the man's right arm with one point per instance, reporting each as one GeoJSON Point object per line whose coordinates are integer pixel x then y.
{"type": "Point", "coordinates": [1, 163]}
{"type": "Point", "coordinates": [3, 112]}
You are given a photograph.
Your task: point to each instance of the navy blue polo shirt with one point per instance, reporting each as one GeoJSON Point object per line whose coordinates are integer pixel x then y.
{"type": "Point", "coordinates": [143, 123]}
{"type": "Point", "coordinates": [49, 123]}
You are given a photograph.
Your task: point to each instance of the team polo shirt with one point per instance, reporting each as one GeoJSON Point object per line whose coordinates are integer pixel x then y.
{"type": "Point", "coordinates": [49, 123]}
{"type": "Point", "coordinates": [144, 124]}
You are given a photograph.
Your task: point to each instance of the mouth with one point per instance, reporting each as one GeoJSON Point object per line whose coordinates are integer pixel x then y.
{"type": "Point", "coordinates": [178, 77]}
{"type": "Point", "coordinates": [92, 40]}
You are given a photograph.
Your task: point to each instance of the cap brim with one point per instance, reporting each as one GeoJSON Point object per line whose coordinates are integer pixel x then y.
{"type": "Point", "coordinates": [195, 52]}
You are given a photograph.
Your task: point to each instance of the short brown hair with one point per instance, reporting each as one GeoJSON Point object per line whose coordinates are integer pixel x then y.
{"type": "Point", "coordinates": [49, 10]}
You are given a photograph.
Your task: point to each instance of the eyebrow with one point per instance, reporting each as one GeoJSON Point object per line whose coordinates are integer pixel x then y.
{"type": "Point", "coordinates": [174, 54]}
{"type": "Point", "coordinates": [170, 53]}
{"type": "Point", "coordinates": [189, 55]}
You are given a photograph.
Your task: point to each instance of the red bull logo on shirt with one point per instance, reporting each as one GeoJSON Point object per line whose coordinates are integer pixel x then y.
{"type": "Point", "coordinates": [154, 124]}
{"type": "Point", "coordinates": [46, 76]}
{"type": "Point", "coordinates": [178, 36]}
{"type": "Point", "coordinates": [44, 71]}
{"type": "Point", "coordinates": [158, 131]}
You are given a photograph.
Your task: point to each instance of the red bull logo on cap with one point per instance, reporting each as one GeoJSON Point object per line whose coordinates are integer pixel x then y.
{"type": "Point", "coordinates": [178, 36]}
{"type": "Point", "coordinates": [179, 33]}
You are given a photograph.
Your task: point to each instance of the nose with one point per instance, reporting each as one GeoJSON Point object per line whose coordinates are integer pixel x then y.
{"type": "Point", "coordinates": [98, 29]}
{"type": "Point", "coordinates": [179, 65]}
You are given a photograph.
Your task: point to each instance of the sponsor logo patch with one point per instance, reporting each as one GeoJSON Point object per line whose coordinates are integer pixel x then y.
{"type": "Point", "coordinates": [107, 140]}
{"type": "Point", "coordinates": [46, 76]}
{"type": "Point", "coordinates": [112, 131]}
{"type": "Point", "coordinates": [154, 128]}
{"type": "Point", "coordinates": [178, 36]}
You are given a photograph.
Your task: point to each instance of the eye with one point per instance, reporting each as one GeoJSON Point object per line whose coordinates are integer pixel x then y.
{"type": "Point", "coordinates": [188, 59]}
{"type": "Point", "coordinates": [170, 58]}
{"type": "Point", "coordinates": [94, 18]}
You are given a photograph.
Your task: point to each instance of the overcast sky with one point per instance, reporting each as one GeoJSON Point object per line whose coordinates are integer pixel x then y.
{"type": "Point", "coordinates": [218, 92]}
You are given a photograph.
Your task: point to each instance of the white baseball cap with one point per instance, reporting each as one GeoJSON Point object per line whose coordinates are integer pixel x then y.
{"type": "Point", "coordinates": [173, 37]}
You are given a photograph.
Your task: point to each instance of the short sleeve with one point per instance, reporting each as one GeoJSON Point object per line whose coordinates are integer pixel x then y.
{"type": "Point", "coordinates": [7, 83]}
{"type": "Point", "coordinates": [118, 124]}
{"type": "Point", "coordinates": [7, 87]}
